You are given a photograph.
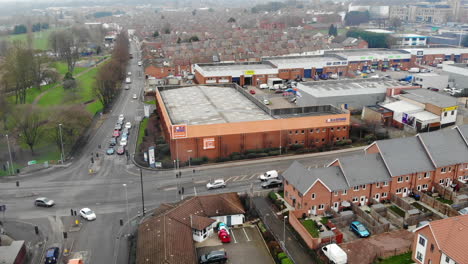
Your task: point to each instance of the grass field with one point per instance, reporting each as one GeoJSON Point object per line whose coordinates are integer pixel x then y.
{"type": "Point", "coordinates": [62, 68]}
{"type": "Point", "coordinates": [398, 259]}
{"type": "Point", "coordinates": [141, 134]}
{"type": "Point", "coordinates": [40, 39]}
{"type": "Point", "coordinates": [31, 93]}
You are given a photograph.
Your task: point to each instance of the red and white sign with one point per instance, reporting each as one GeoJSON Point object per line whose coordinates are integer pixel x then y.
{"type": "Point", "coordinates": [179, 131]}
{"type": "Point", "coordinates": [209, 143]}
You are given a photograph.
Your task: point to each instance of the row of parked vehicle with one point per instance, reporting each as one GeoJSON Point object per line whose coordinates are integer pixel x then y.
{"type": "Point", "coordinates": [270, 179]}
{"type": "Point", "coordinates": [120, 130]}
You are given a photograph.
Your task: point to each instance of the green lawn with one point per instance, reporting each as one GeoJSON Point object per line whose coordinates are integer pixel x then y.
{"type": "Point", "coordinates": [445, 201]}
{"type": "Point", "coordinates": [397, 210]}
{"type": "Point", "coordinates": [40, 39]}
{"type": "Point", "coordinates": [398, 259]}
{"type": "Point", "coordinates": [141, 134]}
{"type": "Point", "coordinates": [62, 68]}
{"type": "Point", "coordinates": [32, 93]}
{"type": "Point", "coordinates": [94, 107]}
{"type": "Point", "coordinates": [52, 97]}
{"type": "Point", "coordinates": [312, 227]}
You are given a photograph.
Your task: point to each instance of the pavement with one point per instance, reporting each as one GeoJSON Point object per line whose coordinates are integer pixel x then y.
{"type": "Point", "coordinates": [275, 225]}
{"type": "Point", "coordinates": [73, 187]}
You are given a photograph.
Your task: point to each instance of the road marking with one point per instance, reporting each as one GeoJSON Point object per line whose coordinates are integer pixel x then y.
{"type": "Point", "coordinates": [232, 232]}
{"type": "Point", "coordinates": [248, 239]}
{"type": "Point", "coordinates": [242, 177]}
{"type": "Point", "coordinates": [202, 181]}
{"type": "Point", "coordinates": [253, 176]}
{"type": "Point", "coordinates": [234, 178]}
{"type": "Point", "coordinates": [170, 188]}
{"type": "Point", "coordinates": [195, 190]}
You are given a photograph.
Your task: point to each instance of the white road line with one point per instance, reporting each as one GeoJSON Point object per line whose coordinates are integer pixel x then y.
{"type": "Point", "coordinates": [248, 239]}
{"type": "Point", "coordinates": [170, 188]}
{"type": "Point", "coordinates": [253, 176]}
{"type": "Point", "coordinates": [195, 190]}
{"type": "Point", "coordinates": [202, 181]}
{"type": "Point", "coordinates": [234, 178]}
{"type": "Point", "coordinates": [243, 177]}
{"type": "Point", "coordinates": [234, 237]}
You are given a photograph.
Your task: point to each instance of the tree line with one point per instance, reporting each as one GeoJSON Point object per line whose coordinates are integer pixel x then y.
{"type": "Point", "coordinates": [112, 74]}
{"type": "Point", "coordinates": [23, 29]}
{"type": "Point", "coordinates": [374, 40]}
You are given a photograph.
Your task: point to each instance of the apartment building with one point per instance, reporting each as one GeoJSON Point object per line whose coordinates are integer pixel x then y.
{"type": "Point", "coordinates": [386, 168]}
{"type": "Point", "coordinates": [442, 242]}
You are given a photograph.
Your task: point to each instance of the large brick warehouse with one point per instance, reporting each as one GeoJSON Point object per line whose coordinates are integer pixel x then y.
{"type": "Point", "coordinates": [215, 121]}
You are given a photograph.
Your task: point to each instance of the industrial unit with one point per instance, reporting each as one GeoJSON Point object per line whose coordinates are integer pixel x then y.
{"type": "Point", "coordinates": [216, 121]}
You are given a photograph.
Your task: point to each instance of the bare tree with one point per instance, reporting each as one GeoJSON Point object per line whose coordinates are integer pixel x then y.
{"type": "Point", "coordinates": [28, 122]}
{"type": "Point", "coordinates": [66, 46]}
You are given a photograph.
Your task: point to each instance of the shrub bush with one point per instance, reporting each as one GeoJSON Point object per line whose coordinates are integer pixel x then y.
{"type": "Point", "coordinates": [205, 159]}
{"type": "Point", "coordinates": [272, 196]}
{"type": "Point", "coordinates": [160, 140]}
{"type": "Point", "coordinates": [281, 256]}
{"type": "Point", "coordinates": [167, 164]}
{"type": "Point", "coordinates": [370, 138]}
{"type": "Point", "coordinates": [222, 159]}
{"type": "Point", "coordinates": [252, 155]}
{"type": "Point", "coordinates": [199, 161]}
{"type": "Point", "coordinates": [235, 157]}
{"type": "Point", "coordinates": [286, 261]}
{"type": "Point", "coordinates": [296, 146]}
{"type": "Point", "coordinates": [262, 155]}
{"type": "Point", "coordinates": [274, 153]}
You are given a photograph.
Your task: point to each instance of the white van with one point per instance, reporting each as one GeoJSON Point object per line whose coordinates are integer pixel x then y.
{"type": "Point", "coordinates": [128, 80]}
{"type": "Point", "coordinates": [335, 254]}
{"type": "Point", "coordinates": [263, 86]}
{"type": "Point", "coordinates": [414, 69]}
{"type": "Point", "coordinates": [273, 174]}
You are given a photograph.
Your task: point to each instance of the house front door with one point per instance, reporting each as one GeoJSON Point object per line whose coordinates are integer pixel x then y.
{"type": "Point", "coordinates": [362, 201]}
{"type": "Point", "coordinates": [377, 197]}
{"type": "Point", "coordinates": [405, 192]}
{"type": "Point", "coordinates": [313, 210]}
{"type": "Point", "coordinates": [335, 206]}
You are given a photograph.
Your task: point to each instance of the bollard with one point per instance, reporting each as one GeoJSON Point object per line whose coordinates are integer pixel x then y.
{"type": "Point", "coordinates": [17, 183]}
{"type": "Point", "coordinates": [65, 235]}
{"type": "Point", "coordinates": [182, 190]}
{"type": "Point", "coordinates": [36, 230]}
{"type": "Point", "coordinates": [97, 155]}
{"type": "Point", "coordinates": [71, 210]}
{"type": "Point", "coordinates": [121, 222]}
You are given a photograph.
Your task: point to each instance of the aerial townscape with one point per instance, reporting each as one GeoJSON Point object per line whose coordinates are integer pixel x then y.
{"type": "Point", "coordinates": [233, 131]}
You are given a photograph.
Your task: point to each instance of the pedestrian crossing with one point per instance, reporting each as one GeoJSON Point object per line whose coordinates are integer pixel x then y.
{"type": "Point", "coordinates": [241, 178]}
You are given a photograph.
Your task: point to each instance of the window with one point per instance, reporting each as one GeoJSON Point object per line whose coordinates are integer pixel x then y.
{"type": "Point", "coordinates": [450, 169]}
{"type": "Point", "coordinates": [398, 190]}
{"type": "Point", "coordinates": [297, 132]}
{"type": "Point", "coordinates": [324, 130]}
{"type": "Point", "coordinates": [345, 192]}
{"type": "Point", "coordinates": [344, 138]}
{"type": "Point", "coordinates": [447, 259]}
{"type": "Point", "coordinates": [323, 140]}
{"type": "Point", "coordinates": [452, 113]}
{"type": "Point", "coordinates": [424, 186]}
{"type": "Point", "coordinates": [432, 247]}
{"type": "Point", "coordinates": [445, 113]}
{"type": "Point", "coordinates": [400, 179]}
{"type": "Point", "coordinates": [302, 131]}
{"type": "Point", "coordinates": [311, 131]}
{"type": "Point", "coordinates": [321, 206]}
{"type": "Point", "coordinates": [338, 129]}
{"type": "Point", "coordinates": [356, 188]}
{"type": "Point", "coordinates": [377, 185]}
{"type": "Point", "coordinates": [337, 139]}
{"type": "Point", "coordinates": [419, 176]}
{"type": "Point", "coordinates": [419, 256]}
{"type": "Point", "coordinates": [384, 195]}
{"type": "Point", "coordinates": [363, 187]}
{"type": "Point", "coordinates": [290, 132]}
{"type": "Point", "coordinates": [335, 193]}
{"type": "Point", "coordinates": [331, 129]}
{"type": "Point", "coordinates": [422, 241]}
{"type": "Point", "coordinates": [441, 181]}
{"type": "Point", "coordinates": [385, 183]}
{"type": "Point", "coordinates": [317, 140]}
{"type": "Point", "coordinates": [317, 130]}
{"type": "Point", "coordinates": [313, 196]}
{"type": "Point", "coordinates": [355, 199]}
{"type": "Point", "coordinates": [344, 128]}
{"type": "Point", "coordinates": [427, 175]}
{"type": "Point", "coordinates": [407, 178]}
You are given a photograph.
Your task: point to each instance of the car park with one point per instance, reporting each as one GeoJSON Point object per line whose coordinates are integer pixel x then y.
{"type": "Point", "coordinates": [116, 133]}
{"type": "Point", "coordinates": [219, 183]}
{"type": "Point", "coordinates": [88, 214]}
{"type": "Point", "coordinates": [110, 151]}
{"type": "Point", "coordinates": [120, 150]}
{"type": "Point", "coordinates": [52, 255]}
{"type": "Point", "coordinates": [358, 228]}
{"type": "Point", "coordinates": [128, 125]}
{"type": "Point", "coordinates": [273, 174]}
{"type": "Point", "coordinates": [214, 257]}
{"type": "Point", "coordinates": [112, 141]}
{"type": "Point", "coordinates": [272, 183]}
{"type": "Point", "coordinates": [123, 142]}
{"type": "Point", "coordinates": [44, 202]}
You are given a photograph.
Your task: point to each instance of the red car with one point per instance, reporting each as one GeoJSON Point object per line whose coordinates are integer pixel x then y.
{"type": "Point", "coordinates": [224, 236]}
{"type": "Point", "coordinates": [116, 133]}
{"type": "Point", "coordinates": [120, 150]}
{"type": "Point", "coordinates": [252, 91]}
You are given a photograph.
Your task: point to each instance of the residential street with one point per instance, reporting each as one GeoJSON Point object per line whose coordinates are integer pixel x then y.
{"type": "Point", "coordinates": [73, 187]}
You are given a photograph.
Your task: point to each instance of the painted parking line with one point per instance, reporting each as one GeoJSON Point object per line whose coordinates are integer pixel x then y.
{"type": "Point", "coordinates": [248, 239]}
{"type": "Point", "coordinates": [233, 236]}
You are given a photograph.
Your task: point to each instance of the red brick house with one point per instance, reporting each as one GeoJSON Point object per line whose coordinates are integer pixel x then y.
{"type": "Point", "coordinates": [442, 242]}
{"type": "Point", "coordinates": [386, 168]}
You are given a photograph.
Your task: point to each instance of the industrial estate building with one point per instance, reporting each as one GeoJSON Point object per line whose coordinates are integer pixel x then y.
{"type": "Point", "coordinates": [388, 167]}
{"type": "Point", "coordinates": [216, 121]}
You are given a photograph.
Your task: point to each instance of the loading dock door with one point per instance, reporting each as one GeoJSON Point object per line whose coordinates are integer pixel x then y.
{"type": "Point", "coordinates": [307, 73]}
{"type": "Point", "coordinates": [236, 80]}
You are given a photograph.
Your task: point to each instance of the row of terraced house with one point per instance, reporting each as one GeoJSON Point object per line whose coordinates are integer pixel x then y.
{"type": "Point", "coordinates": [386, 168]}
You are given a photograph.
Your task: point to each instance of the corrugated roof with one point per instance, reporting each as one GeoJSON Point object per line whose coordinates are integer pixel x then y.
{"type": "Point", "coordinates": [463, 130]}
{"type": "Point", "coordinates": [364, 169]}
{"type": "Point", "coordinates": [412, 159]}
{"type": "Point", "coordinates": [427, 96]}
{"type": "Point", "coordinates": [451, 234]}
{"type": "Point", "coordinates": [446, 147]}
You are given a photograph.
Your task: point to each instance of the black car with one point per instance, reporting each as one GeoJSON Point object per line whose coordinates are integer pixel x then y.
{"type": "Point", "coordinates": [214, 257]}
{"type": "Point", "coordinates": [272, 183]}
{"type": "Point", "coordinates": [52, 255]}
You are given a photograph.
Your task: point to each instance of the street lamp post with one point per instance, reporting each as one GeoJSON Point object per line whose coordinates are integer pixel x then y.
{"type": "Point", "coordinates": [126, 200]}
{"type": "Point", "coordinates": [142, 194]}
{"type": "Point", "coordinates": [284, 231]}
{"type": "Point", "coordinates": [62, 155]}
{"type": "Point", "coordinates": [11, 159]}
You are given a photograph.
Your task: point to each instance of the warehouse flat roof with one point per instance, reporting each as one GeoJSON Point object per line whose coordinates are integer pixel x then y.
{"type": "Point", "coordinates": [426, 116]}
{"type": "Point", "coordinates": [348, 87]}
{"type": "Point", "coordinates": [403, 107]}
{"type": "Point", "coordinates": [235, 66]}
{"type": "Point", "coordinates": [303, 59]}
{"type": "Point", "coordinates": [426, 96]}
{"type": "Point", "coordinates": [369, 52]}
{"type": "Point", "coordinates": [202, 105]}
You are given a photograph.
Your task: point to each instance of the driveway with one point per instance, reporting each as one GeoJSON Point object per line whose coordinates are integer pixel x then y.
{"type": "Point", "coordinates": [247, 244]}
{"type": "Point", "coordinates": [365, 250]}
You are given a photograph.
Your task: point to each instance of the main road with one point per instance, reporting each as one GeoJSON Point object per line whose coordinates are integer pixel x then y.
{"type": "Point", "coordinates": [73, 187]}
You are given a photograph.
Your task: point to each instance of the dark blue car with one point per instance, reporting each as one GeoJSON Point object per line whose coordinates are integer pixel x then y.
{"type": "Point", "coordinates": [52, 255]}
{"type": "Point", "coordinates": [358, 228]}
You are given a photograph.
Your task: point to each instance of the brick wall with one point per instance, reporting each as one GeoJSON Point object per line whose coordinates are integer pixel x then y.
{"type": "Point", "coordinates": [311, 242]}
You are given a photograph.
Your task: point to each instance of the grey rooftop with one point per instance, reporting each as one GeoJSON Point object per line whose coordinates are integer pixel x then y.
{"type": "Point", "coordinates": [426, 96]}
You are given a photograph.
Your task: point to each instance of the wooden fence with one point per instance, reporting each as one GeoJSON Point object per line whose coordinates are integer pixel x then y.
{"type": "Point", "coordinates": [438, 206]}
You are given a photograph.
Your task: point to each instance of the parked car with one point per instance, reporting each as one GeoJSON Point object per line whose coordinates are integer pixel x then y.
{"type": "Point", "coordinates": [125, 131]}
{"type": "Point", "coordinates": [335, 254]}
{"type": "Point", "coordinates": [112, 141]}
{"type": "Point", "coordinates": [116, 133]}
{"type": "Point", "coordinates": [52, 255]}
{"type": "Point", "coordinates": [110, 151]}
{"type": "Point", "coordinates": [464, 211]}
{"type": "Point", "coordinates": [219, 183]}
{"type": "Point", "coordinates": [214, 257]}
{"type": "Point", "coordinates": [263, 86]}
{"type": "Point", "coordinates": [358, 228]}
{"type": "Point", "coordinates": [44, 202]}
{"type": "Point", "coordinates": [127, 87]}
{"type": "Point", "coordinates": [139, 63]}
{"type": "Point", "coordinates": [76, 261]}
{"type": "Point", "coordinates": [279, 91]}
{"type": "Point", "coordinates": [117, 126]}
{"type": "Point", "coordinates": [252, 91]}
{"type": "Point", "coordinates": [433, 89]}
{"type": "Point", "coordinates": [120, 150]}
{"type": "Point", "coordinates": [88, 214]}
{"type": "Point", "coordinates": [129, 73]}
{"type": "Point", "coordinates": [273, 174]}
{"type": "Point", "coordinates": [124, 137]}
{"type": "Point", "coordinates": [134, 96]}
{"type": "Point", "coordinates": [128, 125]}
{"type": "Point", "coordinates": [266, 101]}
{"type": "Point", "coordinates": [272, 183]}
{"type": "Point", "coordinates": [121, 117]}
{"type": "Point", "coordinates": [123, 142]}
